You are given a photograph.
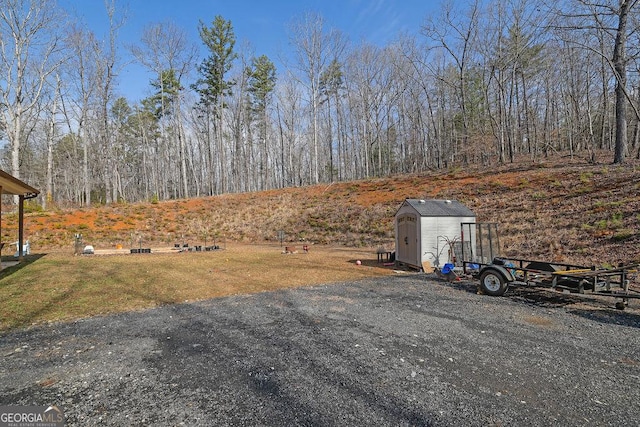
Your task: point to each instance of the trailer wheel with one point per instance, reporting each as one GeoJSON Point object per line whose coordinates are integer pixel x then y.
{"type": "Point", "coordinates": [493, 283]}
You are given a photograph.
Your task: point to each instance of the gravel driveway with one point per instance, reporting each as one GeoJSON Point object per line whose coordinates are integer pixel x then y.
{"type": "Point", "coordinates": [401, 350]}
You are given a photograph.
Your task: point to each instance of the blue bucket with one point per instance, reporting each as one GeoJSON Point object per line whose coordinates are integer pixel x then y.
{"type": "Point", "coordinates": [448, 268]}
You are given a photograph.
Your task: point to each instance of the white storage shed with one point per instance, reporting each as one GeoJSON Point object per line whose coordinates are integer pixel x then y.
{"type": "Point", "coordinates": [427, 229]}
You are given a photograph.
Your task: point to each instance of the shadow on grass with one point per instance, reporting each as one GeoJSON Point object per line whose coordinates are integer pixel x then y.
{"type": "Point", "coordinates": [77, 298]}
{"type": "Point", "coordinates": [11, 269]}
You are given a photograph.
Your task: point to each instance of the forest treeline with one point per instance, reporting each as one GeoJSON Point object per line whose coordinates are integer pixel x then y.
{"type": "Point", "coordinates": [480, 82]}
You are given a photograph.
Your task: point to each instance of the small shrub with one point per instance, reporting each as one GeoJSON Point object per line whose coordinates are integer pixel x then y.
{"type": "Point", "coordinates": [582, 191]}
{"type": "Point", "coordinates": [603, 224]}
{"type": "Point", "coordinates": [616, 220]}
{"type": "Point", "coordinates": [31, 206]}
{"type": "Point", "coordinates": [585, 177]}
{"type": "Point", "coordinates": [622, 235]}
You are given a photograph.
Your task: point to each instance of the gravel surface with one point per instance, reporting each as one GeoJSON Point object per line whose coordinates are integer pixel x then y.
{"type": "Point", "coordinates": [401, 350]}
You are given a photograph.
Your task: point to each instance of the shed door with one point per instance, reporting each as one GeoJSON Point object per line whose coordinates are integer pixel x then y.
{"type": "Point", "coordinates": [408, 239]}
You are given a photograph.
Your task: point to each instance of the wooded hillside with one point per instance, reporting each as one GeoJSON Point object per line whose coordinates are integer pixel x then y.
{"type": "Point", "coordinates": [565, 210]}
{"type": "Point", "coordinates": [479, 83]}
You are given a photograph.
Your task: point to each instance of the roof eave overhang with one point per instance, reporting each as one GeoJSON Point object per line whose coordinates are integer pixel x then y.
{"type": "Point", "coordinates": [13, 186]}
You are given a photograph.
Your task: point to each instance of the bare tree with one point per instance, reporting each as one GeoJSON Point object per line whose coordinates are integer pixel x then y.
{"type": "Point", "coordinates": [423, 87]}
{"type": "Point", "coordinates": [107, 58]}
{"type": "Point", "coordinates": [620, 62]}
{"type": "Point", "coordinates": [609, 20]}
{"type": "Point", "coordinates": [456, 32]}
{"type": "Point", "coordinates": [289, 104]}
{"type": "Point", "coordinates": [29, 44]}
{"type": "Point", "coordinates": [51, 138]}
{"type": "Point", "coordinates": [165, 48]}
{"type": "Point", "coordinates": [370, 85]}
{"type": "Point", "coordinates": [82, 79]}
{"type": "Point", "coordinates": [314, 48]}
{"type": "Point", "coordinates": [331, 86]}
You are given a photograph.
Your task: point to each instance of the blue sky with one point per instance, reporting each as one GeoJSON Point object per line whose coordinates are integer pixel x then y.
{"type": "Point", "coordinates": [261, 23]}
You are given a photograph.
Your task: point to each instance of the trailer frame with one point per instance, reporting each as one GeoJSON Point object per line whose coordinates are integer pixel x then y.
{"type": "Point", "coordinates": [480, 249]}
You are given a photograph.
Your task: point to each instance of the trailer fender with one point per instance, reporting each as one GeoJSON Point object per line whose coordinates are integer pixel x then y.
{"type": "Point", "coordinates": [495, 279]}
{"type": "Point", "coordinates": [506, 271]}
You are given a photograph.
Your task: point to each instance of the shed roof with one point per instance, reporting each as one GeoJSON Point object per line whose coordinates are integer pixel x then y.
{"type": "Point", "coordinates": [434, 207]}
{"type": "Point", "coordinates": [12, 185]}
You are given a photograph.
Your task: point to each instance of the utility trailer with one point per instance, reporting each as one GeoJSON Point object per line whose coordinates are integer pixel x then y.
{"type": "Point", "coordinates": [480, 252]}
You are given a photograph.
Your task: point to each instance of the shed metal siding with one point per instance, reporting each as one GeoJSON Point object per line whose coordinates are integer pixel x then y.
{"type": "Point", "coordinates": [437, 219]}
{"type": "Point", "coordinates": [435, 233]}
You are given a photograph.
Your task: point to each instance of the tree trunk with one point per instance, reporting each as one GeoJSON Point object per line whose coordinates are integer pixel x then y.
{"type": "Point", "coordinates": [620, 67]}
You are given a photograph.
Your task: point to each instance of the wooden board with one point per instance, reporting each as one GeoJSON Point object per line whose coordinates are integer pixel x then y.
{"type": "Point", "coordinates": [426, 267]}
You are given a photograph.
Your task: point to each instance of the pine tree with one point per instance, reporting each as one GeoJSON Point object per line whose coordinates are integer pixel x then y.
{"type": "Point", "coordinates": [212, 88]}
{"type": "Point", "coordinates": [262, 82]}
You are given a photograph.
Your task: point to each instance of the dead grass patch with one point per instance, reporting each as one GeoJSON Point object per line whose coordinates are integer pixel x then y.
{"type": "Point", "coordinates": [538, 321]}
{"type": "Point", "coordinates": [61, 287]}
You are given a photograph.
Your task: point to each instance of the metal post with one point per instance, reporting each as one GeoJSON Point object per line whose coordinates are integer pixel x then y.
{"type": "Point", "coordinates": [462, 239]}
{"type": "Point", "coordinates": [497, 240]}
{"type": "Point", "coordinates": [1, 244]}
{"type": "Point", "coordinates": [479, 237]}
{"type": "Point", "coordinates": [491, 255]}
{"type": "Point", "coordinates": [20, 225]}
